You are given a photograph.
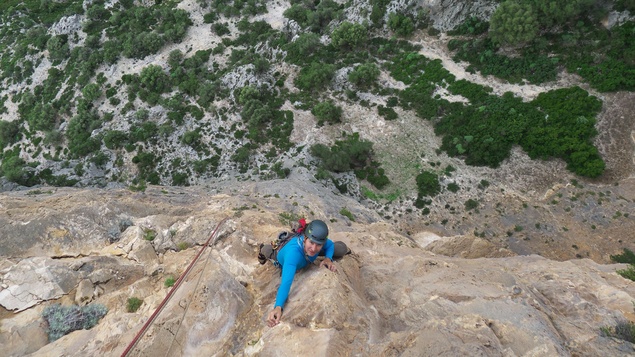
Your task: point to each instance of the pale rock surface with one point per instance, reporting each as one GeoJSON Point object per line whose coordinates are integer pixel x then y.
{"type": "Point", "coordinates": [22, 333]}
{"type": "Point", "coordinates": [33, 280]}
{"type": "Point", "coordinates": [85, 292]}
{"type": "Point", "coordinates": [390, 297]}
{"type": "Point", "coordinates": [67, 25]}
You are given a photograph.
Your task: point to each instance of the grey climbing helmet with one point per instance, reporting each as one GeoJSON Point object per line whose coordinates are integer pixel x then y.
{"type": "Point", "coordinates": [317, 231]}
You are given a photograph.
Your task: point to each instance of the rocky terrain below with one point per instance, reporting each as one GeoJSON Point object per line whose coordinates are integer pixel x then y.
{"type": "Point", "coordinates": [528, 272]}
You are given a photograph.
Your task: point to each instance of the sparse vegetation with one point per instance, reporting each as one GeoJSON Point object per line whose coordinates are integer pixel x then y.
{"type": "Point", "coordinates": [472, 204]}
{"type": "Point", "coordinates": [623, 330]}
{"type": "Point", "coordinates": [169, 282]}
{"type": "Point", "coordinates": [62, 320]}
{"type": "Point", "coordinates": [346, 213]}
{"type": "Point", "coordinates": [149, 234]}
{"type": "Point", "coordinates": [133, 304]}
{"type": "Point", "coordinates": [120, 129]}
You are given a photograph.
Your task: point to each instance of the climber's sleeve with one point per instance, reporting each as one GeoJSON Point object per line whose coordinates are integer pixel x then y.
{"type": "Point", "coordinates": [329, 249]}
{"type": "Point", "coordinates": [288, 272]}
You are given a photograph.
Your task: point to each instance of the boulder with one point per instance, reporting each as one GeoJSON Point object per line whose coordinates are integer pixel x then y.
{"type": "Point", "coordinates": [34, 280]}
{"type": "Point", "coordinates": [24, 333]}
{"type": "Point", "coordinates": [85, 292]}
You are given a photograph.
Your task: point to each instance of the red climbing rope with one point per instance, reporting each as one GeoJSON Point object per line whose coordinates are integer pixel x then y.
{"type": "Point", "coordinates": [170, 293]}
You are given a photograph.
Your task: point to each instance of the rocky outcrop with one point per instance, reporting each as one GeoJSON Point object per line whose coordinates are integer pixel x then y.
{"type": "Point", "coordinates": [34, 280]}
{"type": "Point", "coordinates": [390, 297]}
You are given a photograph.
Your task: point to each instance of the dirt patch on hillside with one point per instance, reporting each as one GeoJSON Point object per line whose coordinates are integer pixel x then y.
{"type": "Point", "coordinates": [615, 139]}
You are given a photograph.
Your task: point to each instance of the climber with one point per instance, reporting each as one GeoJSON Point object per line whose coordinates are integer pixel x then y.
{"type": "Point", "coordinates": [296, 252]}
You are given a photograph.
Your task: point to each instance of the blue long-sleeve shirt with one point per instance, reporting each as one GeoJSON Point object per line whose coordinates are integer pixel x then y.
{"type": "Point", "coordinates": [292, 258]}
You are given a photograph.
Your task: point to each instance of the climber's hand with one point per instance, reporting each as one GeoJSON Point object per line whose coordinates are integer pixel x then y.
{"type": "Point", "coordinates": [328, 263]}
{"type": "Point", "coordinates": [274, 316]}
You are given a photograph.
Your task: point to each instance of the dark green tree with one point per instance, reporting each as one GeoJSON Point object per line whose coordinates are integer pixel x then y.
{"type": "Point", "coordinates": [115, 139]}
{"type": "Point", "coordinates": [316, 76]}
{"type": "Point", "coordinates": [58, 48]}
{"type": "Point", "coordinates": [153, 78]}
{"type": "Point", "coordinates": [78, 133]}
{"type": "Point", "coordinates": [364, 75]}
{"type": "Point", "coordinates": [91, 92]}
{"type": "Point", "coordinates": [514, 23]}
{"type": "Point", "coordinates": [348, 36]}
{"type": "Point", "coordinates": [348, 154]}
{"type": "Point", "coordinates": [553, 13]}
{"type": "Point", "coordinates": [327, 112]}
{"type": "Point", "coordinates": [13, 169]}
{"type": "Point", "coordinates": [401, 24]}
{"type": "Point", "coordinates": [428, 184]}
{"type": "Point", "coordinates": [303, 47]}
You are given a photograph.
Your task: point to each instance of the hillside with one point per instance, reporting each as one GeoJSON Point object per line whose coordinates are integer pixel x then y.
{"type": "Point", "coordinates": [89, 104]}
{"type": "Point", "coordinates": [482, 187]}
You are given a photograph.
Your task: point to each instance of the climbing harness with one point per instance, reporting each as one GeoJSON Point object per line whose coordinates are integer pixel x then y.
{"type": "Point", "coordinates": [172, 291]}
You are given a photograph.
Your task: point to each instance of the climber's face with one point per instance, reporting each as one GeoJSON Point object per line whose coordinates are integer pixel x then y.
{"type": "Point", "coordinates": [311, 248]}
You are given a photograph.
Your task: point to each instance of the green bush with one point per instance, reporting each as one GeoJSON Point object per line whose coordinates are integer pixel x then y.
{"type": "Point", "coordinates": [115, 139]}
{"type": "Point", "coordinates": [9, 132]}
{"type": "Point", "coordinates": [327, 112]}
{"type": "Point", "coordinates": [483, 56]}
{"type": "Point", "coordinates": [133, 304]}
{"type": "Point", "coordinates": [623, 330]}
{"type": "Point", "coordinates": [303, 48]}
{"type": "Point", "coordinates": [401, 24]}
{"type": "Point", "coordinates": [428, 184]}
{"type": "Point", "coordinates": [154, 80]}
{"type": "Point", "coordinates": [13, 169]}
{"type": "Point", "coordinates": [314, 15]}
{"type": "Point", "coordinates": [377, 177]}
{"type": "Point", "coordinates": [513, 23]}
{"type": "Point", "coordinates": [58, 48]}
{"type": "Point", "coordinates": [471, 26]}
{"type": "Point", "coordinates": [64, 319]}
{"type": "Point", "coordinates": [622, 5]}
{"type": "Point", "coordinates": [555, 13]}
{"type": "Point", "coordinates": [628, 273]}
{"type": "Point", "coordinates": [348, 36]}
{"type": "Point", "coordinates": [387, 112]}
{"type": "Point", "coordinates": [315, 77]}
{"type": "Point", "coordinates": [220, 29]}
{"type": "Point", "coordinates": [169, 281]}
{"type": "Point", "coordinates": [453, 187]}
{"type": "Point", "coordinates": [145, 133]}
{"type": "Point", "coordinates": [149, 234]}
{"type": "Point", "coordinates": [91, 92]}
{"type": "Point", "coordinates": [568, 132]}
{"type": "Point", "coordinates": [472, 204]}
{"type": "Point", "coordinates": [78, 133]}
{"type": "Point", "coordinates": [627, 257]}
{"type": "Point", "coordinates": [191, 138]}
{"type": "Point", "coordinates": [364, 75]}
{"type": "Point", "coordinates": [346, 213]}
{"type": "Point", "coordinates": [180, 179]}
{"type": "Point", "coordinates": [345, 155]}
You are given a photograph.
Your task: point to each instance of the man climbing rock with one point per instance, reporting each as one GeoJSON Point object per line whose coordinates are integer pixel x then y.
{"type": "Point", "coordinates": [296, 252]}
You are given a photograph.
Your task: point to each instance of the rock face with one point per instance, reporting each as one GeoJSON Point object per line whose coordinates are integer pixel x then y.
{"type": "Point", "coordinates": [447, 14]}
{"type": "Point", "coordinates": [390, 297]}
{"type": "Point", "coordinates": [34, 280]}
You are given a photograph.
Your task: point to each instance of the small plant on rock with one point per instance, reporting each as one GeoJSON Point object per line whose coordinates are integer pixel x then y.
{"type": "Point", "coordinates": [149, 234]}
{"type": "Point", "coordinates": [169, 282]}
{"type": "Point", "coordinates": [623, 330]}
{"type": "Point", "coordinates": [346, 213]}
{"type": "Point", "coordinates": [133, 304]}
{"type": "Point", "coordinates": [62, 320]}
